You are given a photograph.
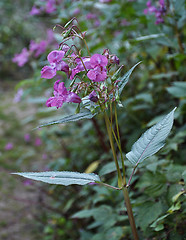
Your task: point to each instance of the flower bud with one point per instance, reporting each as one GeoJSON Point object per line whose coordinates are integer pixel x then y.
{"type": "Point", "coordinates": [114, 60]}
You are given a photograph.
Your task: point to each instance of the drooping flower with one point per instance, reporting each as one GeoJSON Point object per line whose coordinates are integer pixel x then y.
{"type": "Point", "coordinates": [61, 95]}
{"type": "Point", "coordinates": [93, 96]}
{"type": "Point", "coordinates": [56, 64]}
{"type": "Point", "coordinates": [22, 57]}
{"type": "Point", "coordinates": [98, 70]}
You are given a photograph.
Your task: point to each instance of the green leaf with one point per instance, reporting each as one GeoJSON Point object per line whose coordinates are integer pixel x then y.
{"type": "Point", "coordinates": [124, 80]}
{"type": "Point", "coordinates": [147, 213]}
{"type": "Point", "coordinates": [70, 118]}
{"type": "Point", "coordinates": [61, 178]}
{"type": "Point", "coordinates": [152, 140]}
{"type": "Point", "coordinates": [149, 37]}
{"type": "Point", "coordinates": [178, 89]}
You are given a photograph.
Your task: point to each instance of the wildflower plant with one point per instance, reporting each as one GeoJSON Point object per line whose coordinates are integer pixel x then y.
{"type": "Point", "coordinates": [95, 85]}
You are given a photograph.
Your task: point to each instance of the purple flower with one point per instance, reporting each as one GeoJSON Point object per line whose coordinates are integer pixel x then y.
{"type": "Point", "coordinates": [56, 64]}
{"type": "Point", "coordinates": [35, 11]}
{"type": "Point", "coordinates": [114, 60]}
{"type": "Point", "coordinates": [124, 22]}
{"type": "Point", "coordinates": [22, 57]}
{"type": "Point", "coordinates": [93, 96]}
{"type": "Point", "coordinates": [80, 67]}
{"type": "Point", "coordinates": [105, 1]}
{"type": "Point", "coordinates": [38, 48]}
{"type": "Point", "coordinates": [44, 156]}
{"type": "Point", "coordinates": [27, 137]}
{"type": "Point", "coordinates": [98, 71]}
{"type": "Point", "coordinates": [61, 95]}
{"type": "Point", "coordinates": [27, 182]}
{"type": "Point", "coordinates": [48, 72]}
{"type": "Point", "coordinates": [38, 141]}
{"type": "Point", "coordinates": [159, 11]}
{"type": "Point", "coordinates": [9, 146]}
{"type": "Point", "coordinates": [18, 95]}
{"type": "Point", "coordinates": [76, 11]}
{"type": "Point", "coordinates": [50, 6]}
{"type": "Point", "coordinates": [91, 16]}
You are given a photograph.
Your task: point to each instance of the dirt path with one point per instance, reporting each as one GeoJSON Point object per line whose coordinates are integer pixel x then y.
{"type": "Point", "coordinates": [18, 202]}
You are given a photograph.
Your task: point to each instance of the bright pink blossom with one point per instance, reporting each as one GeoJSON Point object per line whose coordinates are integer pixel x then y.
{"type": "Point", "coordinates": [80, 67]}
{"type": "Point", "coordinates": [98, 70]}
{"type": "Point", "coordinates": [61, 95]}
{"type": "Point", "coordinates": [56, 64]}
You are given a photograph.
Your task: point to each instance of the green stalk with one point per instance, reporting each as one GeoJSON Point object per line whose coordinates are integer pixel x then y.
{"type": "Point", "coordinates": [109, 130]}
{"type": "Point", "coordinates": [122, 159]}
{"type": "Point", "coordinates": [130, 213]}
{"type": "Point", "coordinates": [120, 181]}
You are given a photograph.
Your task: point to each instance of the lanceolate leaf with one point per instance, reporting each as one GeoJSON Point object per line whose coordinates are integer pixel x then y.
{"type": "Point", "coordinates": [70, 118]}
{"type": "Point", "coordinates": [124, 80]}
{"type": "Point", "coordinates": [61, 178]}
{"type": "Point", "coordinates": [152, 140]}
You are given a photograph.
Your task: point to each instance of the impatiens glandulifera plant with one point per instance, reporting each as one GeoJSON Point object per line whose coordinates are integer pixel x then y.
{"type": "Point", "coordinates": [95, 86]}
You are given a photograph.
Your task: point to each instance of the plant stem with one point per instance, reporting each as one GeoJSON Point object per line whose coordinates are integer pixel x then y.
{"type": "Point", "coordinates": [109, 130]}
{"type": "Point", "coordinates": [120, 180]}
{"type": "Point", "coordinates": [86, 46]}
{"type": "Point", "coordinates": [130, 213]}
{"type": "Point", "coordinates": [117, 127]}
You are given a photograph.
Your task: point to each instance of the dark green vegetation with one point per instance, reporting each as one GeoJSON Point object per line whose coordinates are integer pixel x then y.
{"type": "Point", "coordinates": [156, 86]}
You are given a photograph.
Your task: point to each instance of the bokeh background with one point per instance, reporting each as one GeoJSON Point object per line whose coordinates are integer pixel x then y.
{"type": "Point", "coordinates": [135, 30]}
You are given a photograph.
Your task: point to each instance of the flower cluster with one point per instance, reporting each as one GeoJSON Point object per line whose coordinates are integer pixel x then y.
{"type": "Point", "coordinates": [48, 6]}
{"type": "Point", "coordinates": [159, 11]}
{"type": "Point", "coordinates": [56, 64]}
{"type": "Point", "coordinates": [87, 74]}
{"type": "Point", "coordinates": [61, 95]}
{"type": "Point", "coordinates": [35, 49]}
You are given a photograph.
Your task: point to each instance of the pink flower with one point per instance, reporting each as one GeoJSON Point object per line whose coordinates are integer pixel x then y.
{"type": "Point", "coordinates": [35, 11]}
{"type": "Point", "coordinates": [27, 137]}
{"type": "Point", "coordinates": [18, 95]}
{"type": "Point", "coordinates": [27, 182]}
{"type": "Point", "coordinates": [93, 96]}
{"type": "Point", "coordinates": [9, 146]}
{"type": "Point", "coordinates": [44, 156]}
{"type": "Point", "coordinates": [22, 57]}
{"type": "Point", "coordinates": [98, 63]}
{"type": "Point", "coordinates": [56, 64]}
{"type": "Point", "coordinates": [38, 141]}
{"type": "Point", "coordinates": [91, 16]}
{"type": "Point", "coordinates": [48, 72]}
{"type": "Point", "coordinates": [76, 11]}
{"type": "Point", "coordinates": [61, 95]}
{"type": "Point", "coordinates": [105, 1]}
{"type": "Point", "coordinates": [38, 48]}
{"type": "Point", "coordinates": [114, 60]}
{"type": "Point", "coordinates": [80, 67]}
{"type": "Point", "coordinates": [50, 6]}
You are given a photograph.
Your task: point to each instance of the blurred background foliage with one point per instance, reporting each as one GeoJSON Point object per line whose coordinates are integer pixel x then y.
{"type": "Point", "coordinates": [30, 209]}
